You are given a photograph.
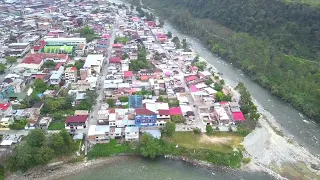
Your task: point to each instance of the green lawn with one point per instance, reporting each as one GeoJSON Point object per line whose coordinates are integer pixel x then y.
{"type": "Point", "coordinates": [219, 141]}
{"type": "Point", "coordinates": [107, 149]}
{"type": "Point", "coordinates": [56, 125]}
{"type": "Point", "coordinates": [56, 49]}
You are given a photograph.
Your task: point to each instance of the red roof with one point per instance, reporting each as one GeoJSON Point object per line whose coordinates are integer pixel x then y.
{"type": "Point", "coordinates": [38, 57]}
{"type": "Point", "coordinates": [75, 119]}
{"type": "Point", "coordinates": [115, 60]}
{"type": "Point", "coordinates": [191, 78]}
{"type": "Point", "coordinates": [4, 107]}
{"type": "Point", "coordinates": [106, 36]}
{"type": "Point", "coordinates": [238, 116]}
{"type": "Point", "coordinates": [39, 46]}
{"type": "Point", "coordinates": [144, 78]}
{"type": "Point", "coordinates": [73, 69]}
{"type": "Point", "coordinates": [39, 76]}
{"type": "Point", "coordinates": [33, 59]}
{"type": "Point", "coordinates": [193, 68]}
{"type": "Point", "coordinates": [116, 45]}
{"type": "Point", "coordinates": [175, 111]}
{"type": "Point", "coordinates": [128, 74]}
{"type": "Point", "coordinates": [164, 112]}
{"type": "Point", "coordinates": [59, 65]}
{"type": "Point", "coordinates": [144, 111]}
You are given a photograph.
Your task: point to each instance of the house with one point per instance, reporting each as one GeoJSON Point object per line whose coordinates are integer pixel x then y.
{"type": "Point", "coordinates": [114, 61]}
{"type": "Point", "coordinates": [175, 111]}
{"type": "Point", "coordinates": [102, 44]}
{"type": "Point", "coordinates": [80, 49]}
{"type": "Point", "coordinates": [18, 49]}
{"type": "Point", "coordinates": [76, 122]}
{"type": "Point", "coordinates": [221, 115]}
{"type": "Point", "coordinates": [127, 76]}
{"type": "Point", "coordinates": [117, 47]}
{"type": "Point", "coordinates": [5, 108]}
{"type": "Point", "coordinates": [56, 76]}
{"type": "Point", "coordinates": [131, 133]}
{"type": "Point", "coordinates": [70, 74]}
{"type": "Point", "coordinates": [44, 122]}
{"type": "Point", "coordinates": [8, 140]}
{"type": "Point", "coordinates": [5, 122]}
{"type": "Point", "coordinates": [115, 133]}
{"type": "Point", "coordinates": [99, 133]}
{"type": "Point", "coordinates": [81, 112]}
{"type": "Point", "coordinates": [145, 117]}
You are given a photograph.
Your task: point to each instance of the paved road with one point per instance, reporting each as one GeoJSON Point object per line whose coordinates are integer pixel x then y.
{"type": "Point", "coordinates": [101, 78]}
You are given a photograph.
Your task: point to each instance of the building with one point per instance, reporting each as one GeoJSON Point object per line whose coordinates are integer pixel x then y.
{"type": "Point", "coordinates": [70, 74]}
{"type": "Point", "coordinates": [5, 122]}
{"type": "Point", "coordinates": [32, 61]}
{"type": "Point", "coordinates": [93, 63]}
{"type": "Point", "coordinates": [18, 49]}
{"type": "Point", "coordinates": [64, 41]}
{"type": "Point", "coordinates": [44, 122]}
{"type": "Point", "coordinates": [145, 117]}
{"type": "Point", "coordinates": [5, 108]}
{"type": "Point", "coordinates": [99, 133]}
{"type": "Point", "coordinates": [76, 122]}
{"type": "Point", "coordinates": [56, 76]}
{"type": "Point", "coordinates": [131, 133]}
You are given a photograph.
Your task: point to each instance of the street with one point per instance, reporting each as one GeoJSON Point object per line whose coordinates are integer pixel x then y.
{"type": "Point", "coordinates": [101, 78]}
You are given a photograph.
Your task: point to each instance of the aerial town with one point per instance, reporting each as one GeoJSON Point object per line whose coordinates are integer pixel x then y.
{"type": "Point", "coordinates": [102, 72]}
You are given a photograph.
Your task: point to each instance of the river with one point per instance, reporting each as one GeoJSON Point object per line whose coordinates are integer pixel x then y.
{"type": "Point", "coordinates": [161, 169]}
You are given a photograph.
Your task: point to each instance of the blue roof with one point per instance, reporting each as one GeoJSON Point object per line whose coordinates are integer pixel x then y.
{"type": "Point", "coordinates": [154, 133]}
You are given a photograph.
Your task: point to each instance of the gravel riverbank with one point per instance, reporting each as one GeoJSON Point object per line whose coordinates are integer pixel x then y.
{"type": "Point", "coordinates": [271, 149]}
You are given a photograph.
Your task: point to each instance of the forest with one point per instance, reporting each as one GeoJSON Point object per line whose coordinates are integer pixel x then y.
{"type": "Point", "coordinates": [283, 59]}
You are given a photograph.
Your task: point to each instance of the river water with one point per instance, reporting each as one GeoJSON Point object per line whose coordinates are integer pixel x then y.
{"type": "Point", "coordinates": [161, 169]}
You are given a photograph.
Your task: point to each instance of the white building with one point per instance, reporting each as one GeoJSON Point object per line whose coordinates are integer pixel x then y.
{"type": "Point", "coordinates": [56, 76]}
{"type": "Point", "coordinates": [131, 133]}
{"type": "Point", "coordinates": [18, 49]}
{"type": "Point", "coordinates": [93, 63]}
{"type": "Point", "coordinates": [64, 41]}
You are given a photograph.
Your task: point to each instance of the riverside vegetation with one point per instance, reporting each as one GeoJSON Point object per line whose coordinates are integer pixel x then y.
{"type": "Point", "coordinates": [182, 144]}
{"type": "Point", "coordinates": [275, 42]}
{"type": "Point", "coordinates": [39, 148]}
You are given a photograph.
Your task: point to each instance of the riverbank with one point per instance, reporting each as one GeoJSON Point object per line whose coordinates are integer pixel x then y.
{"type": "Point", "coordinates": [59, 171]}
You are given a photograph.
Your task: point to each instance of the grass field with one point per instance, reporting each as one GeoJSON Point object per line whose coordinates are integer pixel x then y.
{"type": "Point", "coordinates": [219, 141]}
{"type": "Point", "coordinates": [56, 125]}
{"type": "Point", "coordinates": [57, 49]}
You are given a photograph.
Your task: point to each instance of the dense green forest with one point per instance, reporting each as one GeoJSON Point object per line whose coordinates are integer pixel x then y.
{"type": "Point", "coordinates": [276, 43]}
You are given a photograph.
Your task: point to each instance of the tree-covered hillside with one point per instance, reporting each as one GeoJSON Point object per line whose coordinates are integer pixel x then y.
{"type": "Point", "coordinates": [259, 38]}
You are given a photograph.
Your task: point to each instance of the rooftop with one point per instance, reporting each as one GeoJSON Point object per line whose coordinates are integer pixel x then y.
{"type": "Point", "coordinates": [74, 119]}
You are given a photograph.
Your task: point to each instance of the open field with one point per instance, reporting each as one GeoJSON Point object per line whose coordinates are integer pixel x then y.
{"type": "Point", "coordinates": [219, 141]}
{"type": "Point", "coordinates": [58, 49]}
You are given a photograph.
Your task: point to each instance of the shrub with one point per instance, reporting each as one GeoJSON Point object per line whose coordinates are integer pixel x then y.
{"type": "Point", "coordinates": [209, 129]}
{"type": "Point", "coordinates": [246, 160]}
{"type": "Point", "coordinates": [197, 130]}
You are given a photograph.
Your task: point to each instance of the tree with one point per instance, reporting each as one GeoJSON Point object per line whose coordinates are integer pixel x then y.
{"type": "Point", "coordinates": [10, 59]}
{"type": "Point", "coordinates": [149, 147]}
{"type": "Point", "coordinates": [79, 64]}
{"type": "Point", "coordinates": [209, 129]}
{"type": "Point", "coordinates": [39, 86]}
{"type": "Point", "coordinates": [84, 105]}
{"type": "Point", "coordinates": [219, 96]}
{"type": "Point", "coordinates": [197, 130]}
{"type": "Point", "coordinates": [2, 68]}
{"type": "Point", "coordinates": [161, 23]}
{"type": "Point", "coordinates": [36, 138]}
{"type": "Point", "coordinates": [56, 143]}
{"type": "Point", "coordinates": [184, 44]}
{"type": "Point", "coordinates": [42, 155]}
{"type": "Point", "coordinates": [169, 34]}
{"type": "Point", "coordinates": [111, 102]}
{"type": "Point", "coordinates": [123, 99]}
{"type": "Point", "coordinates": [169, 129]}
{"type": "Point", "coordinates": [177, 119]}
{"type": "Point", "coordinates": [21, 157]}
